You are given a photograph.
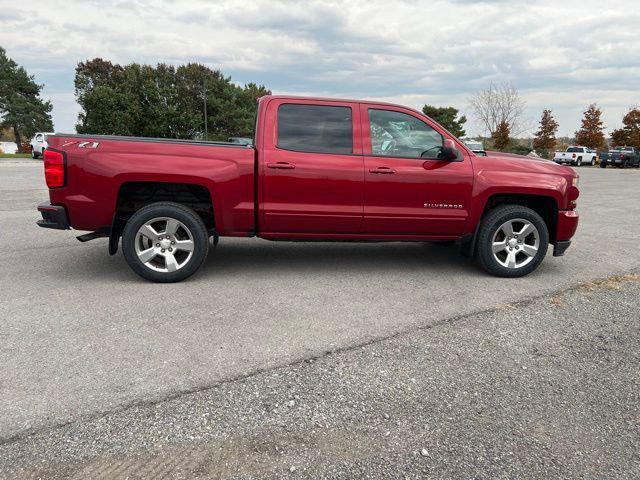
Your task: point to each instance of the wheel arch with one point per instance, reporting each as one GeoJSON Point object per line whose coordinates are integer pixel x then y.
{"type": "Point", "coordinates": [134, 195]}
{"type": "Point", "coordinates": [546, 206]}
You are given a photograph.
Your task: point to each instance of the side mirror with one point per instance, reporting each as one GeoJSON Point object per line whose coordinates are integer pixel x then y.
{"type": "Point", "coordinates": [449, 150]}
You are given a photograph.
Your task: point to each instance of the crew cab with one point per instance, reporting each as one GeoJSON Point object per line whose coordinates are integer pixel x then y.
{"type": "Point", "coordinates": [576, 155]}
{"type": "Point", "coordinates": [39, 144]}
{"type": "Point", "coordinates": [318, 169]}
{"type": "Point", "coordinates": [622, 157]}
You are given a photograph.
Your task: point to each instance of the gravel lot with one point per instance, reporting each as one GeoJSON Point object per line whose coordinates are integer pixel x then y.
{"type": "Point", "coordinates": [542, 389]}
{"type": "Point", "coordinates": [82, 336]}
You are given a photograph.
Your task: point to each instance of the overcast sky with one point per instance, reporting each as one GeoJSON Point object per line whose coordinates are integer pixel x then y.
{"type": "Point", "coordinates": [561, 55]}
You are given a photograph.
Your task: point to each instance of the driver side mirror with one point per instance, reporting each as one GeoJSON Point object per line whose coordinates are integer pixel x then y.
{"type": "Point", "coordinates": [449, 151]}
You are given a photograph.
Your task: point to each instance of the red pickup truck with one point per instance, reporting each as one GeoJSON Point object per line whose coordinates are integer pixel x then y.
{"type": "Point", "coordinates": [319, 169]}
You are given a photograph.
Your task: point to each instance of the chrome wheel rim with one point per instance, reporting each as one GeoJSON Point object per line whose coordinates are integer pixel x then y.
{"type": "Point", "coordinates": [515, 243]}
{"type": "Point", "coordinates": [164, 244]}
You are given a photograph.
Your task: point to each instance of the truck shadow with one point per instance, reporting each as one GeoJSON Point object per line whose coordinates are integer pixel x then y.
{"type": "Point", "coordinates": [260, 256]}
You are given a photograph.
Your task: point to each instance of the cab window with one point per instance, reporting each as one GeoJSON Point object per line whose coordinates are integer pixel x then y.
{"type": "Point", "coordinates": [397, 134]}
{"type": "Point", "coordinates": [315, 128]}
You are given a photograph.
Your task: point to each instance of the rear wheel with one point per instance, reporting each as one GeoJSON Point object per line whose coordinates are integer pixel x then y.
{"type": "Point", "coordinates": [579, 162]}
{"type": "Point", "coordinates": [165, 242]}
{"type": "Point", "coordinates": [512, 241]}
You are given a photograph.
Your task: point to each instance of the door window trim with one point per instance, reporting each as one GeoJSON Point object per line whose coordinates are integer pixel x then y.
{"type": "Point", "coordinates": [366, 133]}
{"type": "Point", "coordinates": [357, 150]}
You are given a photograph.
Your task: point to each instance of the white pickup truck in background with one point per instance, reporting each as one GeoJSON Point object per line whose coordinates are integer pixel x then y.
{"type": "Point", "coordinates": [39, 144]}
{"type": "Point", "coordinates": [576, 155]}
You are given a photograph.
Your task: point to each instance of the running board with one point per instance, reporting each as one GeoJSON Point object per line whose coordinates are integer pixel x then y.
{"type": "Point", "coordinates": [92, 236]}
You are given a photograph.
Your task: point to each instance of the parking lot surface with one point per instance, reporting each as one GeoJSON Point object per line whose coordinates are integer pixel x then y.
{"type": "Point", "coordinates": [543, 389]}
{"type": "Point", "coordinates": [82, 335]}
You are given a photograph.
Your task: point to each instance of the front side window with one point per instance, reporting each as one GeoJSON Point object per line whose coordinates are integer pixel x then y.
{"type": "Point", "coordinates": [315, 128]}
{"type": "Point", "coordinates": [396, 134]}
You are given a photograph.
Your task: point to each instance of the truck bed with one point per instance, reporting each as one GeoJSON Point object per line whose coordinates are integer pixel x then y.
{"type": "Point", "coordinates": [99, 166]}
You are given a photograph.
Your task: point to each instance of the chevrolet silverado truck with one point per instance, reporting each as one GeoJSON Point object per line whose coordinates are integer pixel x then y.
{"type": "Point", "coordinates": [621, 157]}
{"type": "Point", "coordinates": [576, 155]}
{"type": "Point", "coordinates": [318, 170]}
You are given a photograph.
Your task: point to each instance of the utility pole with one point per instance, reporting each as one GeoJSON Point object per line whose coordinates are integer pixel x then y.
{"type": "Point", "coordinates": [206, 127]}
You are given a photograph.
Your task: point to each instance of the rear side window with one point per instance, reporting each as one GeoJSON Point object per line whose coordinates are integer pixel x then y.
{"type": "Point", "coordinates": [315, 128]}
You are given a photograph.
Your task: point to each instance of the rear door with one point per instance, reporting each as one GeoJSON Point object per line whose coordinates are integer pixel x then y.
{"type": "Point", "coordinates": [312, 168]}
{"type": "Point", "coordinates": [409, 190]}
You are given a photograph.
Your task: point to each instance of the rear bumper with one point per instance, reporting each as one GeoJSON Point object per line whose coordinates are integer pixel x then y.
{"type": "Point", "coordinates": [53, 216]}
{"type": "Point", "coordinates": [565, 229]}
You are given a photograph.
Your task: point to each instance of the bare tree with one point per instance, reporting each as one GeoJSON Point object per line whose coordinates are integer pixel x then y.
{"type": "Point", "coordinates": [498, 104]}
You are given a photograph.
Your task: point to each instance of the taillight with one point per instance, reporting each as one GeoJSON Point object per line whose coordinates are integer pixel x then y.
{"type": "Point", "coordinates": [574, 155]}
{"type": "Point", "coordinates": [54, 169]}
{"type": "Point", "coordinates": [621, 157]}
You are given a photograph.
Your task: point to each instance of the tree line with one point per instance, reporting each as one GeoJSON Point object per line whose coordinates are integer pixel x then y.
{"type": "Point", "coordinates": [189, 101]}
{"type": "Point", "coordinates": [193, 101]}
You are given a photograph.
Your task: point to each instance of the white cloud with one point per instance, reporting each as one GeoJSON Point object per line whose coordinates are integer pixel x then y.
{"type": "Point", "coordinates": [559, 55]}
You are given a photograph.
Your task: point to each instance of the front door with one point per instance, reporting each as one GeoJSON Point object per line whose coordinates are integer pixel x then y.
{"type": "Point", "coordinates": [312, 168]}
{"type": "Point", "coordinates": [409, 189]}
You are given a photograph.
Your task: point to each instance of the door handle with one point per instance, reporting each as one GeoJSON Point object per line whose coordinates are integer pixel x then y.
{"type": "Point", "coordinates": [281, 165]}
{"type": "Point", "coordinates": [387, 170]}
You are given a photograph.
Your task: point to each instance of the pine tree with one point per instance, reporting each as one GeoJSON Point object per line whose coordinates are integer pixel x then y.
{"type": "Point", "coordinates": [590, 134]}
{"type": "Point", "coordinates": [21, 107]}
{"type": "Point", "coordinates": [448, 118]}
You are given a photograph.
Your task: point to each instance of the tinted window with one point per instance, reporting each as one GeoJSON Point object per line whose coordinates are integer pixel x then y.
{"type": "Point", "coordinates": [396, 134]}
{"type": "Point", "coordinates": [574, 149]}
{"type": "Point", "coordinates": [315, 128]}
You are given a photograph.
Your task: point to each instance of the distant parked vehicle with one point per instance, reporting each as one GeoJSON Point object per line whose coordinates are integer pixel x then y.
{"type": "Point", "coordinates": [621, 157]}
{"type": "Point", "coordinates": [8, 147]}
{"type": "Point", "coordinates": [241, 140]}
{"type": "Point", "coordinates": [576, 155]}
{"type": "Point", "coordinates": [39, 144]}
{"type": "Point", "coordinates": [476, 147]}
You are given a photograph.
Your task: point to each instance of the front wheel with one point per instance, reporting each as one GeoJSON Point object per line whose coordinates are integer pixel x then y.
{"type": "Point", "coordinates": [512, 241]}
{"type": "Point", "coordinates": [593, 161]}
{"type": "Point", "coordinates": [34, 155]}
{"type": "Point", "coordinates": [165, 242]}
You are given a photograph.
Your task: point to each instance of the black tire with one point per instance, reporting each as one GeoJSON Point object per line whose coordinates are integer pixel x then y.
{"type": "Point", "coordinates": [491, 224]}
{"type": "Point", "coordinates": [34, 155]}
{"type": "Point", "coordinates": [603, 164]}
{"type": "Point", "coordinates": [175, 211]}
{"type": "Point", "coordinates": [579, 162]}
{"type": "Point", "coordinates": [593, 162]}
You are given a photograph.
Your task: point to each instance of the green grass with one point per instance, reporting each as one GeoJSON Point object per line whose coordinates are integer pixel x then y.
{"type": "Point", "coordinates": [15, 155]}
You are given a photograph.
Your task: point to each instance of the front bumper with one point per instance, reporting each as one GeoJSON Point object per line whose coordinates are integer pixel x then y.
{"type": "Point", "coordinates": [53, 216]}
{"type": "Point", "coordinates": [565, 229]}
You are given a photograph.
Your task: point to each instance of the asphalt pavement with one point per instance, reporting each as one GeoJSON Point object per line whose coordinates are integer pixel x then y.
{"type": "Point", "coordinates": [83, 336]}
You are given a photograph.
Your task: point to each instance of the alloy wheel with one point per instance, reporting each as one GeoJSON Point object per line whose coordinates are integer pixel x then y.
{"type": "Point", "coordinates": [164, 244]}
{"type": "Point", "coordinates": [515, 243]}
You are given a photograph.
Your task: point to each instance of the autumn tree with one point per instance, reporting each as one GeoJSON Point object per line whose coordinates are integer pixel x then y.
{"type": "Point", "coordinates": [590, 134]}
{"type": "Point", "coordinates": [448, 118]}
{"type": "Point", "coordinates": [21, 107]}
{"type": "Point", "coordinates": [629, 134]}
{"type": "Point", "coordinates": [498, 104]}
{"type": "Point", "coordinates": [545, 138]}
{"type": "Point", "coordinates": [501, 136]}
